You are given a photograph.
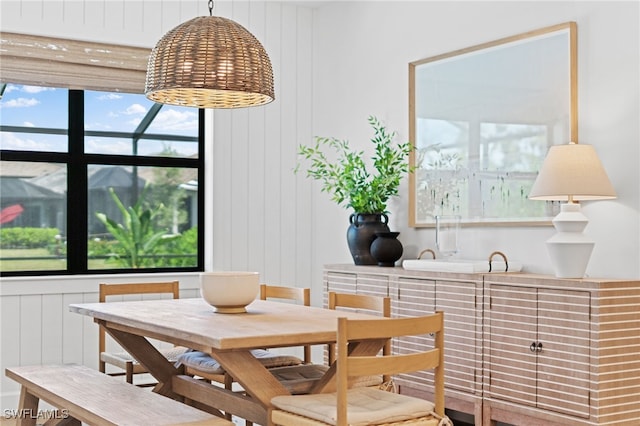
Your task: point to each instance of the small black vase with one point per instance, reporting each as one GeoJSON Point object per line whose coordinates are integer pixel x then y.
{"type": "Point", "coordinates": [362, 232]}
{"type": "Point", "coordinates": [386, 249]}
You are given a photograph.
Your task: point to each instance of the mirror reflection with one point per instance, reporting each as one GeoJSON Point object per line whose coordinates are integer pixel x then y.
{"type": "Point", "coordinates": [482, 120]}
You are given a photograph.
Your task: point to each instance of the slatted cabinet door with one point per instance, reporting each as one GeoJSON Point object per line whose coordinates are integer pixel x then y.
{"type": "Point", "coordinates": [512, 328]}
{"type": "Point", "coordinates": [351, 283]}
{"type": "Point", "coordinates": [539, 348]}
{"type": "Point", "coordinates": [342, 282]}
{"type": "Point", "coordinates": [460, 301]}
{"type": "Point", "coordinates": [564, 357]}
{"type": "Point", "coordinates": [373, 285]}
{"type": "Point", "coordinates": [409, 298]}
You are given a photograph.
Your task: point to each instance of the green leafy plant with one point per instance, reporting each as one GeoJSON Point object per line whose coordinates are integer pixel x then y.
{"type": "Point", "coordinates": [136, 235]}
{"type": "Point", "coordinates": [182, 250]}
{"type": "Point", "coordinates": [347, 178]}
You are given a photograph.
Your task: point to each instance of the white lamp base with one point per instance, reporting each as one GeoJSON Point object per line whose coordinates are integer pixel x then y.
{"type": "Point", "coordinates": [570, 249]}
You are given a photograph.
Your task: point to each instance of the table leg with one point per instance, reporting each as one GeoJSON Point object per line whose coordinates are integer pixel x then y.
{"type": "Point", "coordinates": [257, 381]}
{"type": "Point", "coordinates": [149, 357]}
{"type": "Point", "coordinates": [327, 383]}
{"type": "Point", "coordinates": [27, 408]}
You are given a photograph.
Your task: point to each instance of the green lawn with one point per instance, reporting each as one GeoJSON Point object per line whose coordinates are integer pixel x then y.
{"type": "Point", "coordinates": [29, 261]}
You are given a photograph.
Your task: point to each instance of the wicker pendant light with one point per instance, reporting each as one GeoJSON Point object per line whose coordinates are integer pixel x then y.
{"type": "Point", "coordinates": [209, 62]}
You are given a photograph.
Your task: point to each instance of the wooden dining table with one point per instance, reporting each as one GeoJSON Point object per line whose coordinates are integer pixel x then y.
{"type": "Point", "coordinates": [229, 338]}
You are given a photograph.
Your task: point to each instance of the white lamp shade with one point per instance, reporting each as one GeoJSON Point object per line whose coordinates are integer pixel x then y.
{"type": "Point", "coordinates": [572, 172]}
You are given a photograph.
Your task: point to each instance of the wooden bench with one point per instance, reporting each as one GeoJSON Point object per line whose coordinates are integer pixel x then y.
{"type": "Point", "coordinates": [85, 395]}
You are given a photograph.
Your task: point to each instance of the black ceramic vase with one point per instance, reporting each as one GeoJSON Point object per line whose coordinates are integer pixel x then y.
{"type": "Point", "coordinates": [362, 232]}
{"type": "Point", "coordinates": [386, 249]}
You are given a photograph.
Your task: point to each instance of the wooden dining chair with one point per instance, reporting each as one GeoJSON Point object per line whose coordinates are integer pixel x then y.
{"type": "Point", "coordinates": [353, 405]}
{"type": "Point", "coordinates": [299, 379]}
{"type": "Point", "coordinates": [301, 295]}
{"type": "Point", "coordinates": [202, 365]}
{"type": "Point", "coordinates": [377, 304]}
{"type": "Point", "coordinates": [126, 364]}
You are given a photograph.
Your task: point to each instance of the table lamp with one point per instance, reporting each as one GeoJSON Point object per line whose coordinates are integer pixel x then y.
{"type": "Point", "coordinates": [571, 172]}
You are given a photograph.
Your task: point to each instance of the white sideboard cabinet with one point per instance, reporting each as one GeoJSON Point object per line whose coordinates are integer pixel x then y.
{"type": "Point", "coordinates": [520, 349]}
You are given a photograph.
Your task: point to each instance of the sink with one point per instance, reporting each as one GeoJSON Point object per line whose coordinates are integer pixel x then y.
{"type": "Point", "coordinates": [459, 265]}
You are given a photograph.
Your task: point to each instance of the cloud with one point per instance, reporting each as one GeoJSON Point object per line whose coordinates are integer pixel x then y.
{"type": "Point", "coordinates": [35, 89]}
{"type": "Point", "coordinates": [26, 89]}
{"type": "Point", "coordinates": [109, 97]}
{"type": "Point", "coordinates": [135, 109]}
{"type": "Point", "coordinates": [19, 103]}
{"type": "Point", "coordinates": [114, 147]}
{"type": "Point", "coordinates": [97, 126]}
{"type": "Point", "coordinates": [134, 122]}
{"type": "Point", "coordinates": [13, 141]}
{"type": "Point", "coordinates": [175, 120]}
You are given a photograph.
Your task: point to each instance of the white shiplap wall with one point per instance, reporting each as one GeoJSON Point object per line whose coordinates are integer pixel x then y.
{"type": "Point", "coordinates": [254, 220]}
{"type": "Point", "coordinates": [36, 326]}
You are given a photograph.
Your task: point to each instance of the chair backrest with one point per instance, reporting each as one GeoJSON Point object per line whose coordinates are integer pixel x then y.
{"type": "Point", "coordinates": [351, 362]}
{"type": "Point", "coordinates": [302, 295]}
{"type": "Point", "coordinates": [170, 287]}
{"type": "Point", "coordinates": [379, 304]}
{"type": "Point", "coordinates": [297, 294]}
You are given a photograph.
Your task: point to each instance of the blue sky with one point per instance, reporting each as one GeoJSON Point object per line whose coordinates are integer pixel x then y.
{"type": "Point", "coordinates": [31, 106]}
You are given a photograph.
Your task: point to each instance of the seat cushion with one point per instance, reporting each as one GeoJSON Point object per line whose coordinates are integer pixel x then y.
{"type": "Point", "coordinates": [203, 362]}
{"type": "Point", "coordinates": [365, 406]}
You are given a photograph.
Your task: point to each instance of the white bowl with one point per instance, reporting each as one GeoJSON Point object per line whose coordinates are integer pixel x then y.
{"type": "Point", "coordinates": [229, 292]}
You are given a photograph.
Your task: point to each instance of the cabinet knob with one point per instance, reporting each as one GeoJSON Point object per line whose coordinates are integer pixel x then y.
{"type": "Point", "coordinates": [535, 347]}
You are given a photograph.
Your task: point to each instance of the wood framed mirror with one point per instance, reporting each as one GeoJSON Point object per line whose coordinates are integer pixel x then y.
{"type": "Point", "coordinates": [482, 120]}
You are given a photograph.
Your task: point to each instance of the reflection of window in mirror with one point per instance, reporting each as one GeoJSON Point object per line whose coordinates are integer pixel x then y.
{"type": "Point", "coordinates": [482, 120]}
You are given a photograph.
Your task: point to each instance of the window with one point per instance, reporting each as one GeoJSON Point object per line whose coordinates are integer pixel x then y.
{"type": "Point", "coordinates": [83, 154]}
{"type": "Point", "coordinates": [93, 181]}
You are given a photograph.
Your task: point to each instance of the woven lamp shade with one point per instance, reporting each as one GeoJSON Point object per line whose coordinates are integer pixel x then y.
{"type": "Point", "coordinates": [209, 62]}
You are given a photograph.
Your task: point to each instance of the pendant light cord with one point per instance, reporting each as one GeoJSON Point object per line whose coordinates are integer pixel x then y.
{"type": "Point", "coordinates": [210, 7]}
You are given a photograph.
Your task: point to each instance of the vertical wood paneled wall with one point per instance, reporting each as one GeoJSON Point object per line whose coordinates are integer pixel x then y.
{"type": "Point", "coordinates": [255, 219]}
{"type": "Point", "coordinates": [36, 326]}
{"type": "Point", "coordinates": [258, 221]}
